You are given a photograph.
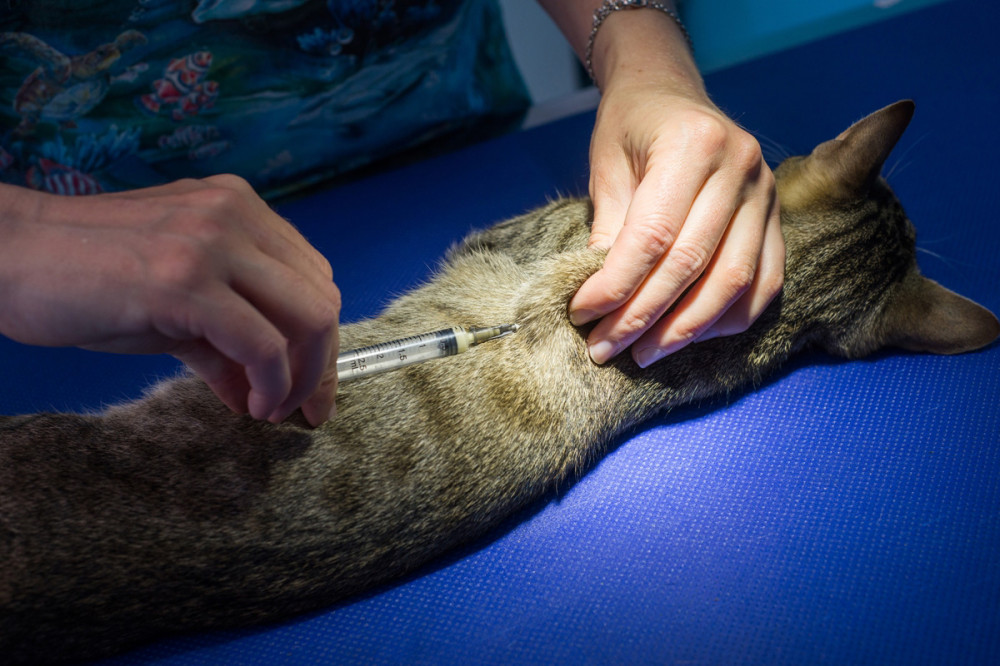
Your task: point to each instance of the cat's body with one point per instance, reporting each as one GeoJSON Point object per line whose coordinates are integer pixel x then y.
{"type": "Point", "coordinates": [173, 514]}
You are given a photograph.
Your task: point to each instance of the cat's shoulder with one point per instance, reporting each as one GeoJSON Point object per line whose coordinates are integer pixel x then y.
{"type": "Point", "coordinates": [560, 225]}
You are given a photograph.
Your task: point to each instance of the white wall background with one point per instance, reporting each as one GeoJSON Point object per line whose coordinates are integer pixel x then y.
{"type": "Point", "coordinates": [547, 63]}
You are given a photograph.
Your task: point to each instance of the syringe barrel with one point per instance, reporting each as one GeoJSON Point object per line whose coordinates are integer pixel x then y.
{"type": "Point", "coordinates": [398, 353]}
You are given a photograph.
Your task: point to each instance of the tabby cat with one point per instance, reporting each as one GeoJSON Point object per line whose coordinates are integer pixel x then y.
{"type": "Point", "coordinates": [173, 514]}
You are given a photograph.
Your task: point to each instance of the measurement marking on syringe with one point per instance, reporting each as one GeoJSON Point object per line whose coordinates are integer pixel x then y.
{"type": "Point", "coordinates": [386, 356]}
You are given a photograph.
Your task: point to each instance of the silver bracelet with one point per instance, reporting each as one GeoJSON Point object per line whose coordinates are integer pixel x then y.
{"type": "Point", "coordinates": [604, 11]}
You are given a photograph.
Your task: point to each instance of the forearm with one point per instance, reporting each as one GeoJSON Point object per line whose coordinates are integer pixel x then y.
{"type": "Point", "coordinates": [667, 171]}
{"type": "Point", "coordinates": [19, 207]}
{"type": "Point", "coordinates": [632, 46]}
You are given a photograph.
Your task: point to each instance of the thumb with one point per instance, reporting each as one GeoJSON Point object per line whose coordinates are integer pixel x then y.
{"type": "Point", "coordinates": [610, 195]}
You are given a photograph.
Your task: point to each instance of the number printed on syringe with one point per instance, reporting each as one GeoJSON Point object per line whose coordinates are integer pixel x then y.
{"type": "Point", "coordinates": [415, 349]}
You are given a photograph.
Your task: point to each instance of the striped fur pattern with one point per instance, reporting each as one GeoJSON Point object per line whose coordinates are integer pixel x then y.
{"type": "Point", "coordinates": [172, 514]}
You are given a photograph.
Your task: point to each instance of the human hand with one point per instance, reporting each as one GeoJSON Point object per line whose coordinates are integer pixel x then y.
{"type": "Point", "coordinates": [200, 269]}
{"type": "Point", "coordinates": [688, 211]}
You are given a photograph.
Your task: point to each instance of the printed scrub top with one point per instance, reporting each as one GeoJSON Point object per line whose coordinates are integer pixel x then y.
{"type": "Point", "coordinates": [104, 95]}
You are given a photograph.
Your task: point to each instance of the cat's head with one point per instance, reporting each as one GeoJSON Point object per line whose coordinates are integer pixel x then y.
{"type": "Point", "coordinates": [852, 251]}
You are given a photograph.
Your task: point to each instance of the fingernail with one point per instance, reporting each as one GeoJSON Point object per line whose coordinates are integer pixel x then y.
{"type": "Point", "coordinates": [648, 356]}
{"type": "Point", "coordinates": [581, 317]}
{"type": "Point", "coordinates": [333, 412]}
{"type": "Point", "coordinates": [601, 352]}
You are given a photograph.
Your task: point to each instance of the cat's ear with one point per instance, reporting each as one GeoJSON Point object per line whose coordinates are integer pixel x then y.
{"type": "Point", "coordinates": [854, 159]}
{"type": "Point", "coordinates": [924, 316]}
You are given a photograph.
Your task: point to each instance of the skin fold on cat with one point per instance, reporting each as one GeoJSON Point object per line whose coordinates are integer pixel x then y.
{"type": "Point", "coordinates": [172, 514]}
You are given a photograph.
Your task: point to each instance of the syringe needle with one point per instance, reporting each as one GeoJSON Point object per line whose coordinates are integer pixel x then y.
{"type": "Point", "coordinates": [395, 354]}
{"type": "Point", "coordinates": [491, 332]}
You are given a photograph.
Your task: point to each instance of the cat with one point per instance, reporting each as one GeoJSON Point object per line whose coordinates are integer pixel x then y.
{"type": "Point", "coordinates": [172, 514]}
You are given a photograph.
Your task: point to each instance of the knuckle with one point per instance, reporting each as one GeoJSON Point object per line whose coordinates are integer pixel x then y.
{"type": "Point", "coordinates": [229, 181]}
{"type": "Point", "coordinates": [317, 319]}
{"type": "Point", "coordinates": [708, 132]}
{"type": "Point", "coordinates": [600, 239]}
{"type": "Point", "coordinates": [767, 181]}
{"type": "Point", "coordinates": [189, 184]}
{"type": "Point", "coordinates": [615, 292]}
{"type": "Point", "coordinates": [335, 299]}
{"type": "Point", "coordinates": [635, 322]}
{"type": "Point", "coordinates": [654, 236]}
{"type": "Point", "coordinates": [689, 258]}
{"type": "Point", "coordinates": [218, 200]}
{"type": "Point", "coordinates": [323, 320]}
{"type": "Point", "coordinates": [747, 154]}
{"type": "Point", "coordinates": [270, 348]}
{"type": "Point", "coordinates": [773, 284]}
{"type": "Point", "coordinates": [328, 381]}
{"type": "Point", "coordinates": [327, 270]}
{"type": "Point", "coordinates": [740, 277]}
{"type": "Point", "coordinates": [688, 330]}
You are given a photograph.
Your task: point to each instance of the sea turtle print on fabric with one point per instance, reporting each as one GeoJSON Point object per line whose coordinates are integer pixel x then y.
{"type": "Point", "coordinates": [108, 95]}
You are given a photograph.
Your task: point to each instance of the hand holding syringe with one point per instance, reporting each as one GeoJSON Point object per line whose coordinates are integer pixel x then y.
{"type": "Point", "coordinates": [395, 354]}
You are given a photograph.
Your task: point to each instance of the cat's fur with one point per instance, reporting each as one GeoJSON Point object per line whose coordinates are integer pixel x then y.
{"type": "Point", "coordinates": [173, 514]}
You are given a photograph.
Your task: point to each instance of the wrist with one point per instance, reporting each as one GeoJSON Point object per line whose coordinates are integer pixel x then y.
{"type": "Point", "coordinates": [19, 207]}
{"type": "Point", "coordinates": [18, 204]}
{"type": "Point", "coordinates": [644, 46]}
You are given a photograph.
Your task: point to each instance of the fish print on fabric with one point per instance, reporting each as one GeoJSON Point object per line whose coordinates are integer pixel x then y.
{"type": "Point", "coordinates": [183, 89]}
{"type": "Point", "coordinates": [131, 93]}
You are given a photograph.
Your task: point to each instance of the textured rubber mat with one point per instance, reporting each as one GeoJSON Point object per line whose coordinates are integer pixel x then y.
{"type": "Point", "coordinates": [846, 512]}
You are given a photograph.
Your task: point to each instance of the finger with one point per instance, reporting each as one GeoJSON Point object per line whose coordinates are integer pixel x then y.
{"type": "Point", "coordinates": [730, 293]}
{"type": "Point", "coordinates": [612, 186]}
{"type": "Point", "coordinates": [312, 382]}
{"type": "Point", "coordinates": [240, 333]}
{"type": "Point", "coordinates": [653, 222]}
{"type": "Point", "coordinates": [321, 405]}
{"type": "Point", "coordinates": [226, 378]}
{"type": "Point", "coordinates": [306, 314]}
{"type": "Point", "coordinates": [766, 286]}
{"type": "Point", "coordinates": [682, 263]}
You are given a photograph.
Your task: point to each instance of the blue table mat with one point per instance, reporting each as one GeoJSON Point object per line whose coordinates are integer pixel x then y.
{"type": "Point", "coordinates": [844, 513]}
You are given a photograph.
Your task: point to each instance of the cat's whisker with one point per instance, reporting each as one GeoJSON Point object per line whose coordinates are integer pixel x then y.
{"type": "Point", "coordinates": [896, 166]}
{"type": "Point", "coordinates": [773, 151]}
{"type": "Point", "coordinates": [955, 265]}
{"type": "Point", "coordinates": [892, 170]}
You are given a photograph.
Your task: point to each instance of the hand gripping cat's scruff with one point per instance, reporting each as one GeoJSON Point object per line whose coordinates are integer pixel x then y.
{"type": "Point", "coordinates": [173, 514]}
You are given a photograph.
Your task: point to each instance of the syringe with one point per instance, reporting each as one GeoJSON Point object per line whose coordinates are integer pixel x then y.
{"type": "Point", "coordinates": [395, 354]}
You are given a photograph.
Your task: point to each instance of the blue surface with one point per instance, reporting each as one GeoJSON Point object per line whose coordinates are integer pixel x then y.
{"type": "Point", "coordinates": [727, 32]}
{"type": "Point", "coordinates": [846, 512]}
